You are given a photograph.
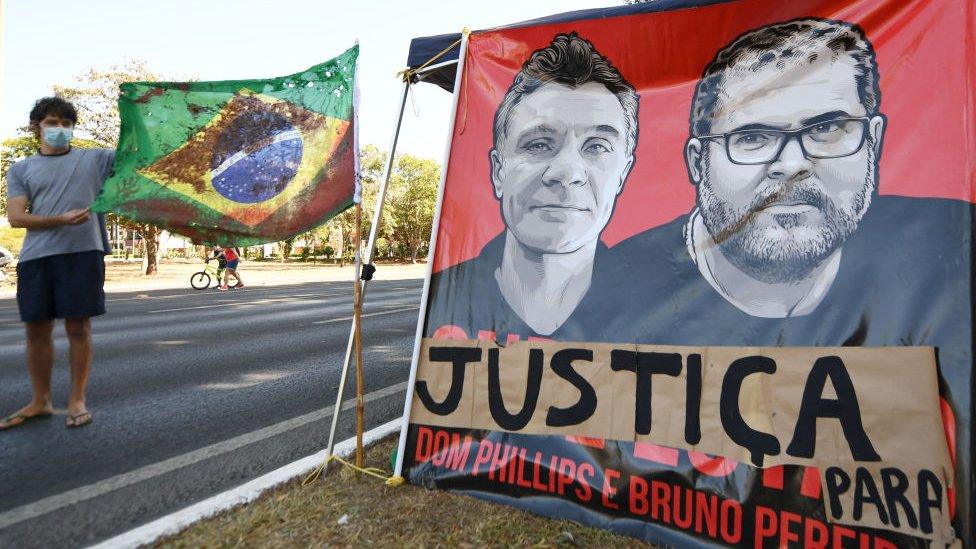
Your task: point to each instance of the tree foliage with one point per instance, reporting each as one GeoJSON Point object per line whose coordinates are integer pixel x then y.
{"type": "Point", "coordinates": [413, 195]}
{"type": "Point", "coordinates": [408, 212]}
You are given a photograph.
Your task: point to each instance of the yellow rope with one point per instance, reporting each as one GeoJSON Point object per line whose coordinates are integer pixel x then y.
{"type": "Point", "coordinates": [371, 471]}
{"type": "Point", "coordinates": [408, 74]}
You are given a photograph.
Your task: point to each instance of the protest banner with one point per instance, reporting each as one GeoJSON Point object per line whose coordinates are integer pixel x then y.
{"type": "Point", "coordinates": [704, 275]}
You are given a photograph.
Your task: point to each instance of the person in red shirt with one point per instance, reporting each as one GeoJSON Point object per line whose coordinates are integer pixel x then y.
{"type": "Point", "coordinates": [232, 255]}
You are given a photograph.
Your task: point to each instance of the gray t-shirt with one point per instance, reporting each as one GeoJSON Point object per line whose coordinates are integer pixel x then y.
{"type": "Point", "coordinates": [54, 185]}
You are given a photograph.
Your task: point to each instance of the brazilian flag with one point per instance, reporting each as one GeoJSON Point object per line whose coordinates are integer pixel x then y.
{"type": "Point", "coordinates": [237, 162]}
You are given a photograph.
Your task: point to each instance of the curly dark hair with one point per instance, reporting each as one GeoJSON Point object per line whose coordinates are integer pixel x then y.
{"type": "Point", "coordinates": [790, 43]}
{"type": "Point", "coordinates": [572, 61]}
{"type": "Point", "coordinates": [57, 106]}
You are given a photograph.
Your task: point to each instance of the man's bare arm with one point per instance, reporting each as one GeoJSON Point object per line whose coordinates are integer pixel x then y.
{"type": "Point", "coordinates": [18, 217]}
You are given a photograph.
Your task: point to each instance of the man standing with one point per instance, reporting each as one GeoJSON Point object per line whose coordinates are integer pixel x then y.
{"type": "Point", "coordinates": [790, 243]}
{"type": "Point", "coordinates": [564, 139]}
{"type": "Point", "coordinates": [61, 271]}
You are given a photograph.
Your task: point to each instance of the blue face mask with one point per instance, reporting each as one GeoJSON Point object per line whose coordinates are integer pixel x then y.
{"type": "Point", "coordinates": [57, 137]}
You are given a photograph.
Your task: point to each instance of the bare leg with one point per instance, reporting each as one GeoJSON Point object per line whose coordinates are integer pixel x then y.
{"type": "Point", "coordinates": [80, 357]}
{"type": "Point", "coordinates": [233, 272]}
{"type": "Point", "coordinates": [40, 362]}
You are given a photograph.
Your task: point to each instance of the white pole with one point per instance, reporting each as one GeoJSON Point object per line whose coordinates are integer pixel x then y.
{"type": "Point", "coordinates": [422, 316]}
{"type": "Point", "coordinates": [367, 258]}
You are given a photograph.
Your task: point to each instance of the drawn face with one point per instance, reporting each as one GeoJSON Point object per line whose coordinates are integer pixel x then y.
{"type": "Point", "coordinates": [560, 166]}
{"type": "Point", "coordinates": [779, 219]}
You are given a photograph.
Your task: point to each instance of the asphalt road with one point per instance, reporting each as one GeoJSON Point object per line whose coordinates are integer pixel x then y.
{"type": "Point", "coordinates": [192, 393]}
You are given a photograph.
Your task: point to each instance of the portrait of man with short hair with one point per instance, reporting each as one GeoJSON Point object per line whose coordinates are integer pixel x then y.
{"type": "Point", "coordinates": [564, 137]}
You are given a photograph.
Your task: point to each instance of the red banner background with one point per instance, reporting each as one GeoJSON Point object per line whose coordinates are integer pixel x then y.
{"type": "Point", "coordinates": [927, 82]}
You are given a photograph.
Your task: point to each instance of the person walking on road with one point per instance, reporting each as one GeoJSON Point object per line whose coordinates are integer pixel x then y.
{"type": "Point", "coordinates": [233, 257]}
{"type": "Point", "coordinates": [61, 272]}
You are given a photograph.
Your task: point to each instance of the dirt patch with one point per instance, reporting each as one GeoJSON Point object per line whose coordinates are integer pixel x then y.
{"type": "Point", "coordinates": [381, 516]}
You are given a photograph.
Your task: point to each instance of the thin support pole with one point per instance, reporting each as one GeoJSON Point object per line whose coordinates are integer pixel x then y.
{"type": "Point", "coordinates": [370, 247]}
{"type": "Point", "coordinates": [422, 316]}
{"type": "Point", "coordinates": [358, 337]}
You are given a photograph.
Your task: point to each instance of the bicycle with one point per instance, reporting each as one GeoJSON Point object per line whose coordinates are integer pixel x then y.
{"type": "Point", "coordinates": [201, 280]}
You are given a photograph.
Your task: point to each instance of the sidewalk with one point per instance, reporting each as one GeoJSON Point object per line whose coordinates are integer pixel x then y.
{"type": "Point", "coordinates": [126, 277]}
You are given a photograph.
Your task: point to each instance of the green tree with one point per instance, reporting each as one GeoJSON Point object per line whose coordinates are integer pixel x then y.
{"type": "Point", "coordinates": [95, 94]}
{"type": "Point", "coordinates": [411, 201]}
{"type": "Point", "coordinates": [371, 164]}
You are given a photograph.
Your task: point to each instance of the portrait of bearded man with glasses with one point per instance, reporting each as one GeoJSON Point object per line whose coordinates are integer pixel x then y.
{"type": "Point", "coordinates": [790, 242]}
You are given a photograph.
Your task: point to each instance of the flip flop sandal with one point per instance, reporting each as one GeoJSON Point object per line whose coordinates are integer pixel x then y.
{"type": "Point", "coordinates": [79, 420]}
{"type": "Point", "coordinates": [23, 419]}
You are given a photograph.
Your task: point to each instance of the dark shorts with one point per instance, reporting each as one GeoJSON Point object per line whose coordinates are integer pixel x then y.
{"type": "Point", "coordinates": [61, 286]}
{"type": "Point", "coordinates": [232, 264]}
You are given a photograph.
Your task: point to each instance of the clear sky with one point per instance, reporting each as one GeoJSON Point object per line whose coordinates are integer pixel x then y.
{"type": "Point", "coordinates": [52, 41]}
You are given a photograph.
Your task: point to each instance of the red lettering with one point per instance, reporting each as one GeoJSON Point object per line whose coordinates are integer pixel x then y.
{"type": "Point", "coordinates": [706, 512]}
{"type": "Point", "coordinates": [815, 534]}
{"type": "Point", "coordinates": [731, 513]}
{"type": "Point", "coordinates": [567, 474]}
{"type": "Point", "coordinates": [609, 475]}
{"type": "Point", "coordinates": [524, 483]}
{"type": "Point", "coordinates": [457, 454]}
{"type": "Point", "coordinates": [584, 493]}
{"type": "Point", "coordinates": [483, 456]}
{"type": "Point", "coordinates": [840, 533]}
{"type": "Point", "coordinates": [638, 496]}
{"type": "Point", "coordinates": [683, 522]}
{"type": "Point", "coordinates": [537, 473]}
{"type": "Point", "coordinates": [786, 534]}
{"type": "Point", "coordinates": [486, 335]}
{"type": "Point", "coordinates": [765, 524]}
{"type": "Point", "coordinates": [660, 500]}
{"type": "Point", "coordinates": [881, 543]}
{"type": "Point", "coordinates": [552, 475]}
{"type": "Point", "coordinates": [512, 338]}
{"type": "Point", "coordinates": [441, 441]}
{"type": "Point", "coordinates": [495, 461]}
{"type": "Point", "coordinates": [424, 438]}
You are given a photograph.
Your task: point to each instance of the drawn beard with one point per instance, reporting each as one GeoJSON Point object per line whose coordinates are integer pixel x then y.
{"type": "Point", "coordinates": [787, 249]}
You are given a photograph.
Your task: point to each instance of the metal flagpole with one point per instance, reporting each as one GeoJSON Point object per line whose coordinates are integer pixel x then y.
{"type": "Point", "coordinates": [366, 259]}
{"type": "Point", "coordinates": [430, 263]}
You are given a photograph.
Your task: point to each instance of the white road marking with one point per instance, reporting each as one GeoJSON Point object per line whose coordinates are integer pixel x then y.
{"type": "Point", "coordinates": [78, 495]}
{"type": "Point", "coordinates": [348, 318]}
{"type": "Point", "coordinates": [174, 522]}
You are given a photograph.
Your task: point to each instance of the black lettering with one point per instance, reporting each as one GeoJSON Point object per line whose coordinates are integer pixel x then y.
{"type": "Point", "coordinates": [837, 482]}
{"type": "Point", "coordinates": [693, 399]}
{"type": "Point", "coordinates": [459, 357]}
{"type": "Point", "coordinates": [844, 408]}
{"type": "Point", "coordinates": [562, 364]}
{"type": "Point", "coordinates": [496, 404]}
{"type": "Point", "coordinates": [644, 365]}
{"type": "Point", "coordinates": [866, 491]}
{"type": "Point", "coordinates": [929, 497]}
{"type": "Point", "coordinates": [894, 483]}
{"type": "Point", "coordinates": [757, 442]}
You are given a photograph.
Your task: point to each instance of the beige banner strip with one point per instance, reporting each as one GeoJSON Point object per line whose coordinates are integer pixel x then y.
{"type": "Point", "coordinates": [841, 407]}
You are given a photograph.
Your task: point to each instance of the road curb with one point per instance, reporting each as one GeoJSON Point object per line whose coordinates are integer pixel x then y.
{"type": "Point", "coordinates": [174, 522]}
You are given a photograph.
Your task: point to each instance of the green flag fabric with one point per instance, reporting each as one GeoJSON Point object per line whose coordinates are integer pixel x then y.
{"type": "Point", "coordinates": [237, 162]}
